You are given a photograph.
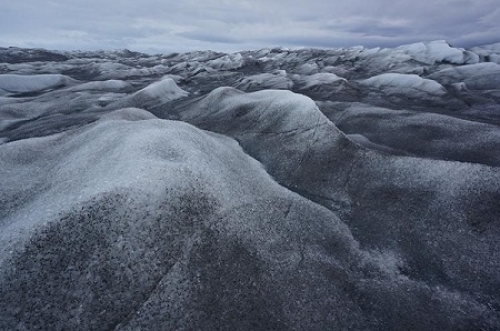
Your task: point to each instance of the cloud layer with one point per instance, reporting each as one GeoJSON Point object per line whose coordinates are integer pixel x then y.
{"type": "Point", "coordinates": [165, 26]}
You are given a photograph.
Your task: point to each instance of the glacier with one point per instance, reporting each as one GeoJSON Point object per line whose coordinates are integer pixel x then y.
{"type": "Point", "coordinates": [275, 189]}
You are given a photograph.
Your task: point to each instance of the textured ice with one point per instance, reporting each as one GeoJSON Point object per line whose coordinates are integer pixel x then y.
{"type": "Point", "coordinates": [423, 134]}
{"type": "Point", "coordinates": [148, 192]}
{"type": "Point", "coordinates": [226, 62]}
{"type": "Point", "coordinates": [322, 79]}
{"type": "Point", "coordinates": [13, 84]}
{"type": "Point", "coordinates": [404, 83]}
{"type": "Point", "coordinates": [128, 114]}
{"type": "Point", "coordinates": [277, 79]}
{"type": "Point", "coordinates": [108, 85]}
{"type": "Point", "coordinates": [480, 76]}
{"type": "Point", "coordinates": [162, 91]}
{"type": "Point", "coordinates": [165, 90]}
{"type": "Point", "coordinates": [119, 71]}
{"type": "Point", "coordinates": [307, 69]}
{"type": "Point", "coordinates": [489, 52]}
{"type": "Point", "coordinates": [438, 51]}
{"type": "Point", "coordinates": [186, 67]}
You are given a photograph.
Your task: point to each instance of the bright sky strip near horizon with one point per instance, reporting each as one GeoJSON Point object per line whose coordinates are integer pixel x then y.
{"type": "Point", "coordinates": [156, 26]}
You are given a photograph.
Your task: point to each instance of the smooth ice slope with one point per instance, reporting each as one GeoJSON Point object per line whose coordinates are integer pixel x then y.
{"type": "Point", "coordinates": [164, 90]}
{"type": "Point", "coordinates": [404, 84]}
{"type": "Point", "coordinates": [321, 79]}
{"type": "Point", "coordinates": [12, 84]}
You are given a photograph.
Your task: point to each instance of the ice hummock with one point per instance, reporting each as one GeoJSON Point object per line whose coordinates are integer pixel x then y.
{"type": "Point", "coordinates": [404, 84]}
{"type": "Point", "coordinates": [15, 84]}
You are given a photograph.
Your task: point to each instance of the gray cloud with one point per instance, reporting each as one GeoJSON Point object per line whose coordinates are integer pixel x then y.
{"type": "Point", "coordinates": [162, 26]}
{"type": "Point", "coordinates": [209, 37]}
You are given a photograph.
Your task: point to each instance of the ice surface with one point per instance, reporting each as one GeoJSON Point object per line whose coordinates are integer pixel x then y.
{"type": "Point", "coordinates": [277, 79]}
{"type": "Point", "coordinates": [404, 83]}
{"type": "Point", "coordinates": [108, 85]}
{"type": "Point", "coordinates": [437, 136]}
{"type": "Point", "coordinates": [307, 69]}
{"type": "Point", "coordinates": [227, 62]}
{"type": "Point", "coordinates": [99, 160]}
{"type": "Point", "coordinates": [165, 90]}
{"type": "Point", "coordinates": [489, 52]}
{"type": "Point", "coordinates": [480, 76]}
{"type": "Point", "coordinates": [429, 201]}
{"type": "Point", "coordinates": [12, 84]}
{"type": "Point", "coordinates": [128, 114]}
{"type": "Point", "coordinates": [438, 51]}
{"type": "Point", "coordinates": [147, 192]}
{"type": "Point", "coordinates": [322, 79]}
{"type": "Point", "coordinates": [284, 111]}
{"type": "Point", "coordinates": [156, 93]}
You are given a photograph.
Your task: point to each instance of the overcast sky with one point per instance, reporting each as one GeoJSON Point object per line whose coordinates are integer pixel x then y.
{"type": "Point", "coordinates": [180, 25]}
